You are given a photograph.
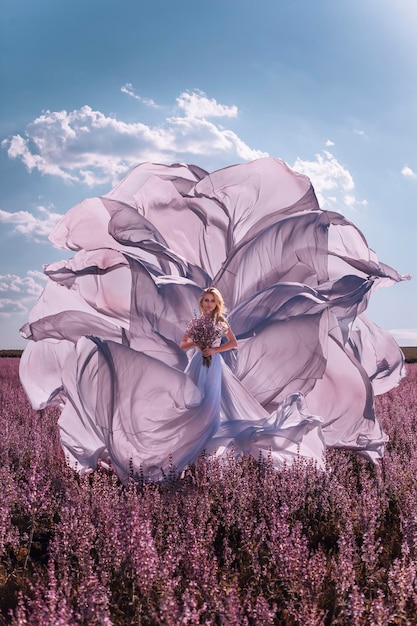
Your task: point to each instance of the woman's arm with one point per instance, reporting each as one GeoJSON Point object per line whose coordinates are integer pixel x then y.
{"type": "Point", "coordinates": [186, 343]}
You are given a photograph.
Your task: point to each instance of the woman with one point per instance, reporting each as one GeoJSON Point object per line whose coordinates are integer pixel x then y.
{"type": "Point", "coordinates": [205, 367]}
{"type": "Point", "coordinates": [212, 307]}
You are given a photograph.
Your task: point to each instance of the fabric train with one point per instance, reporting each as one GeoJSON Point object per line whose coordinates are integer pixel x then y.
{"type": "Point", "coordinates": [296, 279]}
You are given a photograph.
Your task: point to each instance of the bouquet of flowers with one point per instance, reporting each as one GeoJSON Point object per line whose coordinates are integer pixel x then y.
{"type": "Point", "coordinates": [203, 331]}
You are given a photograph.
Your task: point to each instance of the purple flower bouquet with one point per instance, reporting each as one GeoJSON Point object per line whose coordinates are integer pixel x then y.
{"type": "Point", "coordinates": [203, 331]}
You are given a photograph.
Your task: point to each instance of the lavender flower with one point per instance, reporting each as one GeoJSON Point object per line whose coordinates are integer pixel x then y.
{"type": "Point", "coordinates": [231, 542]}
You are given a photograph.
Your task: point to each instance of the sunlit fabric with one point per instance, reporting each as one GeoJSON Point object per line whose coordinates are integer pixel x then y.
{"type": "Point", "coordinates": [105, 333]}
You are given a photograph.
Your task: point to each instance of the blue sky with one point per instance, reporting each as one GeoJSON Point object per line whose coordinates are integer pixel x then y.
{"type": "Point", "coordinates": [93, 87]}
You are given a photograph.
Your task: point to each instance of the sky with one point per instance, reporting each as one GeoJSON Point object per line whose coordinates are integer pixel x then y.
{"type": "Point", "coordinates": [92, 88]}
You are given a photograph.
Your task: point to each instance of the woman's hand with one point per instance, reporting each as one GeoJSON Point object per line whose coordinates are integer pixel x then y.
{"type": "Point", "coordinates": [186, 343]}
{"type": "Point", "coordinates": [209, 351]}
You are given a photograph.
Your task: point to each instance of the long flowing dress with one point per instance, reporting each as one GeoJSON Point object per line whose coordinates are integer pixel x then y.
{"type": "Point", "coordinates": [105, 333]}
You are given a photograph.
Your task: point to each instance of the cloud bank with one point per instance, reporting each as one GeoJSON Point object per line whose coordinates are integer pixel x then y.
{"type": "Point", "coordinates": [34, 227]}
{"type": "Point", "coordinates": [90, 147]}
{"type": "Point", "coordinates": [18, 294]}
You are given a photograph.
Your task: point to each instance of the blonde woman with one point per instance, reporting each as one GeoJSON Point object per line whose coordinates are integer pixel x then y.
{"type": "Point", "coordinates": [204, 334]}
{"type": "Point", "coordinates": [206, 331]}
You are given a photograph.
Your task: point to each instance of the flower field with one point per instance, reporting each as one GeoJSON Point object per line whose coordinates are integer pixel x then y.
{"type": "Point", "coordinates": [234, 543]}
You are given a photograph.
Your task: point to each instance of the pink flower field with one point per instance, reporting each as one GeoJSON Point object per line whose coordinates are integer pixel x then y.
{"type": "Point", "coordinates": [226, 543]}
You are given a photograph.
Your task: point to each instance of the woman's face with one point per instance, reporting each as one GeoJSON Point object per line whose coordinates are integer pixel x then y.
{"type": "Point", "coordinates": [208, 303]}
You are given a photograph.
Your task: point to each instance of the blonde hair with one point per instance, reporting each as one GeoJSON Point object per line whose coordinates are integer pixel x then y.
{"type": "Point", "coordinates": [220, 310]}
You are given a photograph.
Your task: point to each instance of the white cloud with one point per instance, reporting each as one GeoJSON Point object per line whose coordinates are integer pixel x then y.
{"type": "Point", "coordinates": [197, 105]}
{"type": "Point", "coordinates": [89, 147]}
{"type": "Point", "coordinates": [407, 172]}
{"type": "Point", "coordinates": [199, 136]}
{"type": "Point", "coordinates": [36, 228]}
{"type": "Point", "coordinates": [18, 147]}
{"type": "Point", "coordinates": [350, 200]}
{"type": "Point", "coordinates": [11, 307]}
{"type": "Point", "coordinates": [359, 132]}
{"type": "Point", "coordinates": [329, 143]}
{"type": "Point", "coordinates": [332, 181]}
{"type": "Point", "coordinates": [18, 294]}
{"type": "Point", "coordinates": [130, 91]}
{"type": "Point", "coordinates": [30, 285]}
{"type": "Point", "coordinates": [85, 145]}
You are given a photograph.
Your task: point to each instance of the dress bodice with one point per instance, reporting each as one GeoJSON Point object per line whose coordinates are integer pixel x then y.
{"type": "Point", "coordinates": [222, 328]}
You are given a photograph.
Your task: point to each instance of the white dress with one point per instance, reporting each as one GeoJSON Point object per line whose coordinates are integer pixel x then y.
{"type": "Point", "coordinates": [136, 412]}
{"type": "Point", "coordinates": [143, 424]}
{"type": "Point", "coordinates": [105, 333]}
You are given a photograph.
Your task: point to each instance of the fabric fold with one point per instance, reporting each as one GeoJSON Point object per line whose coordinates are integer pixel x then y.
{"type": "Point", "coordinates": [103, 337]}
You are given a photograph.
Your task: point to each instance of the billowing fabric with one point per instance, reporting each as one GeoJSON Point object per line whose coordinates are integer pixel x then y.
{"type": "Point", "coordinates": [105, 333]}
